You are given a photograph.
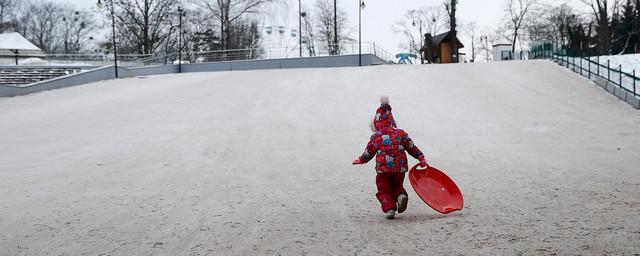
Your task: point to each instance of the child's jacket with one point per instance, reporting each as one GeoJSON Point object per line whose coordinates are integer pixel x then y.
{"type": "Point", "coordinates": [389, 144]}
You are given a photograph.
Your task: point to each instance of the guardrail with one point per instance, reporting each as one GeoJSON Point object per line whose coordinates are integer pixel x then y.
{"type": "Point", "coordinates": [104, 73]}
{"type": "Point", "coordinates": [623, 84]}
{"type": "Point", "coordinates": [586, 66]}
{"type": "Point", "coordinates": [264, 53]}
{"type": "Point", "coordinates": [81, 59]}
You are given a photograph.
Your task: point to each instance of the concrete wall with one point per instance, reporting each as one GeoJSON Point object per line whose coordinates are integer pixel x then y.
{"type": "Point", "coordinates": [60, 82]}
{"type": "Point", "coordinates": [309, 62]}
{"type": "Point", "coordinates": [148, 71]}
{"type": "Point", "coordinates": [105, 73]}
{"type": "Point", "coordinates": [615, 90]}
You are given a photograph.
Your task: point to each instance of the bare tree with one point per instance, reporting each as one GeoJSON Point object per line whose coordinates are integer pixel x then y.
{"type": "Point", "coordinates": [603, 10]}
{"type": "Point", "coordinates": [198, 32]}
{"type": "Point", "coordinates": [142, 25]}
{"type": "Point", "coordinates": [21, 18]}
{"type": "Point", "coordinates": [7, 7]}
{"type": "Point", "coordinates": [488, 38]}
{"type": "Point", "coordinates": [561, 18]}
{"type": "Point", "coordinates": [52, 26]}
{"type": "Point", "coordinates": [307, 34]}
{"type": "Point", "coordinates": [42, 23]}
{"type": "Point", "coordinates": [75, 28]}
{"type": "Point", "coordinates": [517, 11]}
{"type": "Point", "coordinates": [538, 26]}
{"type": "Point", "coordinates": [417, 22]}
{"type": "Point", "coordinates": [451, 6]}
{"type": "Point", "coordinates": [433, 19]}
{"type": "Point", "coordinates": [325, 26]}
{"type": "Point", "coordinates": [228, 11]}
{"type": "Point", "coordinates": [470, 29]}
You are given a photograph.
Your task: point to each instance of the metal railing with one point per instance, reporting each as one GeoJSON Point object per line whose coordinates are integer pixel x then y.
{"type": "Point", "coordinates": [263, 53]}
{"type": "Point", "coordinates": [589, 66]}
{"type": "Point", "coordinates": [82, 59]}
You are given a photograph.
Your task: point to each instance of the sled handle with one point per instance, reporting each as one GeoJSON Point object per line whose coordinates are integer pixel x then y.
{"type": "Point", "coordinates": [418, 168]}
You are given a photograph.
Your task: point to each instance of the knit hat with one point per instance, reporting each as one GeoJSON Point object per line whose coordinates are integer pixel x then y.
{"type": "Point", "coordinates": [384, 117]}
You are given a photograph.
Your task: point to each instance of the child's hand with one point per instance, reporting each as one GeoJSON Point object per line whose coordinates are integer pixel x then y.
{"type": "Point", "coordinates": [423, 162]}
{"type": "Point", "coordinates": [357, 161]}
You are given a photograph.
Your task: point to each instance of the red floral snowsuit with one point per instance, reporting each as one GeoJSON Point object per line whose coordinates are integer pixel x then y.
{"type": "Point", "coordinates": [388, 145]}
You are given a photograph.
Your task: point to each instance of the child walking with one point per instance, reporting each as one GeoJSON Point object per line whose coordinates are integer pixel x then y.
{"type": "Point", "coordinates": [388, 144]}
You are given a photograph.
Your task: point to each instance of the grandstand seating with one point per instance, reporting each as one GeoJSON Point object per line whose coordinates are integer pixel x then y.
{"type": "Point", "coordinates": [21, 76]}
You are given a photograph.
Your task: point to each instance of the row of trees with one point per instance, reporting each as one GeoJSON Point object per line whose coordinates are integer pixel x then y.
{"type": "Point", "coordinates": [151, 26]}
{"type": "Point", "coordinates": [436, 19]}
{"type": "Point", "coordinates": [611, 27]}
{"type": "Point", "coordinates": [54, 27]}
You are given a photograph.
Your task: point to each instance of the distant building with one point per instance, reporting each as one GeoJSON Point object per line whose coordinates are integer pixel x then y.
{"type": "Point", "coordinates": [437, 49]}
{"type": "Point", "coordinates": [502, 51]}
{"type": "Point", "coordinates": [13, 47]}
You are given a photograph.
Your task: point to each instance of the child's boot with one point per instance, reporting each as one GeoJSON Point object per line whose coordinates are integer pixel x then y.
{"type": "Point", "coordinates": [403, 199]}
{"type": "Point", "coordinates": [391, 214]}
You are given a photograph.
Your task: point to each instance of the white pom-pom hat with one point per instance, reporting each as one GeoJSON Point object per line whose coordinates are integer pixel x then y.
{"type": "Point", "coordinates": [384, 100]}
{"type": "Point", "coordinates": [384, 117]}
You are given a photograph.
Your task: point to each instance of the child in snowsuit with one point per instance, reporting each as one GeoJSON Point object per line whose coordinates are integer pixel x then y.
{"type": "Point", "coordinates": [388, 144]}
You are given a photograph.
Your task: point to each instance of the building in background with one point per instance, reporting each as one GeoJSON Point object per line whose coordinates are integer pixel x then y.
{"type": "Point", "coordinates": [437, 49]}
{"type": "Point", "coordinates": [14, 48]}
{"type": "Point", "coordinates": [502, 51]}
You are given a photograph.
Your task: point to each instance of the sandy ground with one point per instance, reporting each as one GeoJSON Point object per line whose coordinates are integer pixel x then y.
{"type": "Point", "coordinates": [259, 163]}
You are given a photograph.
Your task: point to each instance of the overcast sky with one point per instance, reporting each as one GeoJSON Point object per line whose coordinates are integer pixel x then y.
{"type": "Point", "coordinates": [379, 15]}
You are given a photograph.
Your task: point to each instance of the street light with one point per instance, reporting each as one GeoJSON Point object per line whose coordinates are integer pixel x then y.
{"type": "Point", "coordinates": [113, 26]}
{"type": "Point", "coordinates": [486, 41]}
{"type": "Point", "coordinates": [181, 14]}
{"type": "Point", "coordinates": [300, 15]}
{"type": "Point", "coordinates": [335, 27]}
{"type": "Point", "coordinates": [360, 7]}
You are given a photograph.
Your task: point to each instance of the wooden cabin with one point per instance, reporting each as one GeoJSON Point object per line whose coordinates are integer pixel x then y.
{"type": "Point", "coordinates": [437, 49]}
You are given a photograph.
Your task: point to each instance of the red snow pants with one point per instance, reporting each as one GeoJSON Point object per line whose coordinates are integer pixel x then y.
{"type": "Point", "coordinates": [389, 188]}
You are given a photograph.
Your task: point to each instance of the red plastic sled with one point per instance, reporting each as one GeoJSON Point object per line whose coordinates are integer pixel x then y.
{"type": "Point", "coordinates": [436, 189]}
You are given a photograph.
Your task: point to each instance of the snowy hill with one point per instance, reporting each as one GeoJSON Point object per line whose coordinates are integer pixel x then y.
{"type": "Point", "coordinates": [259, 163]}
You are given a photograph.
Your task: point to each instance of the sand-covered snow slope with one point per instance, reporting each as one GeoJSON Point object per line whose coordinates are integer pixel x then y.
{"type": "Point", "coordinates": [259, 163]}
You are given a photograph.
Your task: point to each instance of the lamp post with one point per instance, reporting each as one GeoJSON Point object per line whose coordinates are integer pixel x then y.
{"type": "Point", "coordinates": [486, 41]}
{"type": "Point", "coordinates": [16, 53]}
{"type": "Point", "coordinates": [335, 27]}
{"type": "Point", "coordinates": [360, 7]}
{"type": "Point", "coordinates": [181, 14]}
{"type": "Point", "coordinates": [113, 26]}
{"type": "Point", "coordinates": [300, 14]}
{"type": "Point", "coordinates": [421, 39]}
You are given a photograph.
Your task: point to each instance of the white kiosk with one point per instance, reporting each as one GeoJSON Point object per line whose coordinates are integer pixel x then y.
{"type": "Point", "coordinates": [502, 51]}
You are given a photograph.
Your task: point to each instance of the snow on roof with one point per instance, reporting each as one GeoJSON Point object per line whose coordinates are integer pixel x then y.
{"type": "Point", "coordinates": [16, 41]}
{"type": "Point", "coordinates": [502, 42]}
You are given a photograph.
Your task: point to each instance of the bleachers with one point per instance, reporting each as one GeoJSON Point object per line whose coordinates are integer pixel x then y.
{"type": "Point", "coordinates": [20, 75]}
